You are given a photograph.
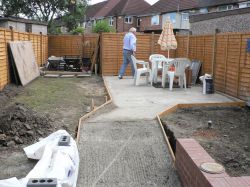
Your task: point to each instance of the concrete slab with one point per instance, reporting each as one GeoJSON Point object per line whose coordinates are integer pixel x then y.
{"type": "Point", "coordinates": [125, 154]}
{"type": "Point", "coordinates": [82, 76]}
{"type": "Point", "coordinates": [67, 76]}
{"type": "Point", "coordinates": [51, 76]}
{"type": "Point", "coordinates": [145, 101]}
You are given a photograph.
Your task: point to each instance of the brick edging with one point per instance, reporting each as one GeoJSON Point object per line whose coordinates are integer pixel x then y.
{"type": "Point", "coordinates": [189, 155]}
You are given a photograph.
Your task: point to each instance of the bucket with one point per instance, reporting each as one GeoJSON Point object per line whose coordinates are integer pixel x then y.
{"type": "Point", "coordinates": [209, 86]}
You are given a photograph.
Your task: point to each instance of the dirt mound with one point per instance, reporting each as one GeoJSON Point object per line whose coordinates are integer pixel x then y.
{"type": "Point", "coordinates": [20, 125]}
{"type": "Point", "coordinates": [8, 92]}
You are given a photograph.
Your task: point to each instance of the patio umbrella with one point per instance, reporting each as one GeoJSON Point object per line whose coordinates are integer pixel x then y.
{"type": "Point", "coordinates": [167, 39]}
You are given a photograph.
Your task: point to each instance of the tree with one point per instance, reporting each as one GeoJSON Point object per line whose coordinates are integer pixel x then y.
{"type": "Point", "coordinates": [102, 26]}
{"type": "Point", "coordinates": [74, 15]}
{"type": "Point", "coordinates": [78, 30]}
{"type": "Point", "coordinates": [46, 10]}
{"type": "Point", "coordinates": [11, 7]}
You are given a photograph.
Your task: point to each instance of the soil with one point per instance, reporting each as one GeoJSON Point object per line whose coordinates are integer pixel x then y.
{"type": "Point", "coordinates": [222, 131]}
{"type": "Point", "coordinates": [20, 125]}
{"type": "Point", "coordinates": [44, 106]}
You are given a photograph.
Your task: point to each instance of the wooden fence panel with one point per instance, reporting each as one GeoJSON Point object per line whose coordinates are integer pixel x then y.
{"type": "Point", "coordinates": [207, 54]}
{"type": "Point", "coordinates": [3, 60]}
{"type": "Point", "coordinates": [11, 35]}
{"type": "Point", "coordinates": [80, 45]}
{"type": "Point", "coordinates": [244, 69]}
{"type": "Point", "coordinates": [220, 62]}
{"type": "Point", "coordinates": [182, 46]}
{"type": "Point", "coordinates": [89, 43]}
{"type": "Point", "coordinates": [111, 55]}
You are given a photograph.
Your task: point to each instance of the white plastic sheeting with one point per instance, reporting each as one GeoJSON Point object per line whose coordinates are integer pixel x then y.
{"type": "Point", "coordinates": [61, 162]}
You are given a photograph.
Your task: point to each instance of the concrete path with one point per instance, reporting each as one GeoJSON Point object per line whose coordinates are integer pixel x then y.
{"type": "Point", "coordinates": [125, 146]}
{"type": "Point", "coordinates": [125, 154]}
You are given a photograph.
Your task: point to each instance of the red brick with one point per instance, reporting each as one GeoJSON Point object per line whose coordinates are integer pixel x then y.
{"type": "Point", "coordinates": [246, 179]}
{"type": "Point", "coordinates": [219, 182]}
{"type": "Point", "coordinates": [237, 182]}
{"type": "Point", "coordinates": [146, 24]}
{"type": "Point", "coordinates": [209, 175]}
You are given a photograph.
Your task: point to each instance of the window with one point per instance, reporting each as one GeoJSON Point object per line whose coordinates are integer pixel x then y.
{"type": "Point", "coordinates": [138, 22]}
{"type": "Point", "coordinates": [155, 20]}
{"type": "Point", "coordinates": [203, 10]}
{"type": "Point", "coordinates": [28, 27]}
{"type": "Point", "coordinates": [111, 21]}
{"type": "Point", "coordinates": [89, 24]}
{"type": "Point", "coordinates": [184, 16]}
{"type": "Point", "coordinates": [128, 19]}
{"type": "Point", "coordinates": [244, 5]}
{"type": "Point", "coordinates": [172, 17]}
{"type": "Point", "coordinates": [226, 7]}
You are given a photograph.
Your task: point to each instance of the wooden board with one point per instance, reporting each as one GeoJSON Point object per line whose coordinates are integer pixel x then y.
{"type": "Point", "coordinates": [24, 59]}
{"type": "Point", "coordinates": [195, 67]}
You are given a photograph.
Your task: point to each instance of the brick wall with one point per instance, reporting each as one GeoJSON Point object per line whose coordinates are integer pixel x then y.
{"type": "Point", "coordinates": [146, 24]}
{"type": "Point", "coordinates": [189, 155]}
{"type": "Point", "coordinates": [227, 21]}
{"type": "Point", "coordinates": [124, 27]}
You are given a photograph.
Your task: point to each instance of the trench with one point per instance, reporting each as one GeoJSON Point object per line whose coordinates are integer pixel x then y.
{"type": "Point", "coordinates": [170, 136]}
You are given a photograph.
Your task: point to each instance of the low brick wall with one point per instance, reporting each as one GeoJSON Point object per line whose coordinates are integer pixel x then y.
{"type": "Point", "coordinates": [189, 155]}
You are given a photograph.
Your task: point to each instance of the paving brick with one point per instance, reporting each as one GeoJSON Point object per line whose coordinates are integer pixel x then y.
{"type": "Point", "coordinates": [219, 182]}
{"type": "Point", "coordinates": [246, 179]}
{"type": "Point", "coordinates": [237, 182]}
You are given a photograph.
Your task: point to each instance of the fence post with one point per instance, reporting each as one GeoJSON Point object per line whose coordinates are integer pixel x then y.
{"type": "Point", "coordinates": [238, 75]}
{"type": "Point", "coordinates": [101, 52]}
{"type": "Point", "coordinates": [7, 61]}
{"type": "Point", "coordinates": [12, 33]}
{"type": "Point", "coordinates": [82, 46]}
{"type": "Point", "coordinates": [213, 53]}
{"type": "Point", "coordinates": [29, 36]}
{"type": "Point", "coordinates": [41, 48]}
{"type": "Point", "coordinates": [152, 42]}
{"type": "Point", "coordinates": [225, 72]}
{"type": "Point", "coordinates": [189, 33]}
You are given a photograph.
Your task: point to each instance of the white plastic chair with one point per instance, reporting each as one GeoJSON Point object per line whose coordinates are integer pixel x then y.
{"type": "Point", "coordinates": [165, 71]}
{"type": "Point", "coordinates": [180, 65]}
{"type": "Point", "coordinates": [139, 71]}
{"type": "Point", "coordinates": [157, 64]}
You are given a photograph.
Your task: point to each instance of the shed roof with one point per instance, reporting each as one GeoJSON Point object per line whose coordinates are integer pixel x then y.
{"type": "Point", "coordinates": [22, 20]}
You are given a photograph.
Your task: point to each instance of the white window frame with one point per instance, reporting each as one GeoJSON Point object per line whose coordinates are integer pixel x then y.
{"type": "Point", "coordinates": [111, 21]}
{"type": "Point", "coordinates": [89, 24]}
{"type": "Point", "coordinates": [185, 16]}
{"type": "Point", "coordinates": [155, 20]}
{"type": "Point", "coordinates": [129, 19]}
{"type": "Point", "coordinates": [225, 7]}
{"type": "Point", "coordinates": [244, 4]}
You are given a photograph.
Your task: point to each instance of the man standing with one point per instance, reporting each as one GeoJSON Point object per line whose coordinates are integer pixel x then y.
{"type": "Point", "coordinates": [129, 48]}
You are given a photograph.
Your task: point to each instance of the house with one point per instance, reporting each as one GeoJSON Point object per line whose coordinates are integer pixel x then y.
{"type": "Point", "coordinates": [223, 16]}
{"type": "Point", "coordinates": [153, 19]}
{"type": "Point", "coordinates": [120, 14]}
{"type": "Point", "coordinates": [24, 25]}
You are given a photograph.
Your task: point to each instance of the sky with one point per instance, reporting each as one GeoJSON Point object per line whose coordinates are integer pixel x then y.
{"type": "Point", "coordinates": [97, 1]}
